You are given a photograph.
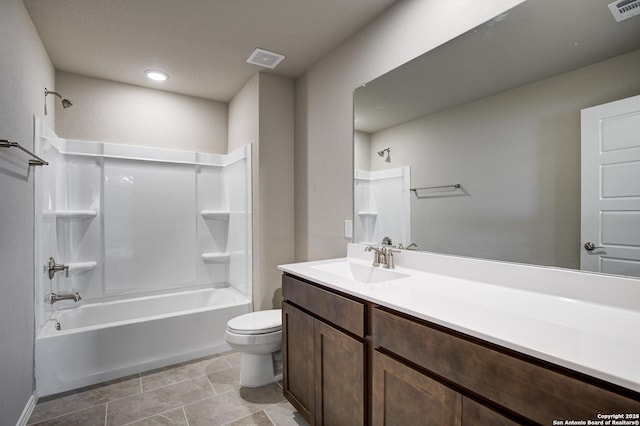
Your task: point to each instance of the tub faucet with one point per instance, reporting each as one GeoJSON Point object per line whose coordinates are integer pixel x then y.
{"type": "Point", "coordinates": [53, 297]}
{"type": "Point", "coordinates": [54, 267]}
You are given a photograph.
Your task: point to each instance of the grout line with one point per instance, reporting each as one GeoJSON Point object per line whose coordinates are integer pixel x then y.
{"type": "Point", "coordinates": [184, 412]}
{"type": "Point", "coordinates": [269, 417]}
{"type": "Point", "coordinates": [57, 416]}
{"type": "Point", "coordinates": [162, 413]}
{"type": "Point", "coordinates": [211, 385]}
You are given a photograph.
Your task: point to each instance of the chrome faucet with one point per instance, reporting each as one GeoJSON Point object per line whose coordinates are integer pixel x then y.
{"type": "Point", "coordinates": [53, 297]}
{"type": "Point", "coordinates": [54, 267]}
{"type": "Point", "coordinates": [379, 256]}
{"type": "Point", "coordinates": [412, 246]}
{"type": "Point", "coordinates": [383, 256]}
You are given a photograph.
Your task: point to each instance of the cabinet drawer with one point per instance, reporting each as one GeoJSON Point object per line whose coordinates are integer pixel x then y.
{"type": "Point", "coordinates": [535, 392]}
{"type": "Point", "coordinates": [346, 313]}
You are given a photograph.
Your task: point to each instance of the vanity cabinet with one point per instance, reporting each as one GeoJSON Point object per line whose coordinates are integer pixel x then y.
{"type": "Point", "coordinates": [353, 362]}
{"type": "Point", "coordinates": [520, 388]}
{"type": "Point", "coordinates": [324, 352]}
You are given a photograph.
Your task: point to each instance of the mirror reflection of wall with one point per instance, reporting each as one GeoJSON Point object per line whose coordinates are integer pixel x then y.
{"type": "Point", "coordinates": [516, 154]}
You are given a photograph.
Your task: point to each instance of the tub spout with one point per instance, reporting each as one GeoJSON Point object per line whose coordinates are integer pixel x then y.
{"type": "Point", "coordinates": [53, 297]}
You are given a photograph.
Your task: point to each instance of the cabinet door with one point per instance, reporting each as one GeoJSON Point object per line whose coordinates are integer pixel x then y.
{"type": "Point", "coordinates": [339, 377]}
{"type": "Point", "coordinates": [403, 396]}
{"type": "Point", "coordinates": [479, 415]}
{"type": "Point", "coordinates": [298, 365]}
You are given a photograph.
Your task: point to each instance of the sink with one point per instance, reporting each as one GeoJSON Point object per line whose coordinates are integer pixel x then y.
{"type": "Point", "coordinates": [361, 273]}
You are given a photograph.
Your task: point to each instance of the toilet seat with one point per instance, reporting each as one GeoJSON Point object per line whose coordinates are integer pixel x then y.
{"type": "Point", "coordinates": [261, 322]}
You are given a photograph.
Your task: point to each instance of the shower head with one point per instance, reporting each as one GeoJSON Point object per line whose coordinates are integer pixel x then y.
{"type": "Point", "coordinates": [66, 103]}
{"type": "Point", "coordinates": [388, 151]}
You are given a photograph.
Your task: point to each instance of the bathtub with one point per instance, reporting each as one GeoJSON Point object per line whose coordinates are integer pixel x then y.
{"type": "Point", "coordinates": [108, 340]}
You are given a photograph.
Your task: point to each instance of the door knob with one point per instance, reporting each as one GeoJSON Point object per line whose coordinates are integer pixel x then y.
{"type": "Point", "coordinates": [589, 246]}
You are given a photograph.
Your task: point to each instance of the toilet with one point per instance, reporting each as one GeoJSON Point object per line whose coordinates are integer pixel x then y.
{"type": "Point", "coordinates": [258, 338]}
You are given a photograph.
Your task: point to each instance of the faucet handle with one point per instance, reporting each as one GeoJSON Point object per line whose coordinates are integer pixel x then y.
{"type": "Point", "coordinates": [388, 257]}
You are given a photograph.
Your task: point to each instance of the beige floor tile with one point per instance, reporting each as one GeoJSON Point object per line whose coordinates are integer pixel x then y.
{"type": "Point", "coordinates": [233, 358]}
{"type": "Point", "coordinates": [256, 419]}
{"type": "Point", "coordinates": [170, 418]}
{"type": "Point", "coordinates": [285, 415]}
{"type": "Point", "coordinates": [178, 373]}
{"type": "Point", "coordinates": [93, 416]}
{"type": "Point", "coordinates": [158, 401]}
{"type": "Point", "coordinates": [233, 405]}
{"type": "Point", "coordinates": [224, 381]}
{"type": "Point", "coordinates": [85, 398]}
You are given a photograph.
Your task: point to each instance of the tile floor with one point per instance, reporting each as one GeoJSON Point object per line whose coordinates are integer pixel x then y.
{"type": "Point", "coordinates": [200, 392]}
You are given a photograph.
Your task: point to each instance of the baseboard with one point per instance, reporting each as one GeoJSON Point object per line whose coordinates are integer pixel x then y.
{"type": "Point", "coordinates": [28, 409]}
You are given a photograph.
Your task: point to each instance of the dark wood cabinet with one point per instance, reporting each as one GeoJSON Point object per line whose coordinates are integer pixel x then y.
{"type": "Point", "coordinates": [339, 377]}
{"type": "Point", "coordinates": [527, 390]}
{"type": "Point", "coordinates": [324, 363]}
{"type": "Point", "coordinates": [477, 414]}
{"type": "Point", "coordinates": [403, 396]}
{"type": "Point", "coordinates": [352, 362]}
{"type": "Point", "coordinates": [298, 362]}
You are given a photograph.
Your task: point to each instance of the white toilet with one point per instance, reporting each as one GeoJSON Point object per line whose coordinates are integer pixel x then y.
{"type": "Point", "coordinates": [258, 337]}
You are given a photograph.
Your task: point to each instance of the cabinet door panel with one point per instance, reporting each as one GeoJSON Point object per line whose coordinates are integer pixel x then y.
{"type": "Point", "coordinates": [339, 377]}
{"type": "Point", "coordinates": [479, 415]}
{"type": "Point", "coordinates": [403, 396]}
{"type": "Point", "coordinates": [297, 351]}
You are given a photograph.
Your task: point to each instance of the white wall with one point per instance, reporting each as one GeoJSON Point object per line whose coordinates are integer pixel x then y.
{"type": "Point", "coordinates": [107, 111]}
{"type": "Point", "coordinates": [276, 218]}
{"type": "Point", "coordinates": [262, 113]}
{"type": "Point", "coordinates": [362, 150]}
{"type": "Point", "coordinates": [324, 108]}
{"type": "Point", "coordinates": [517, 157]}
{"type": "Point", "coordinates": [25, 70]}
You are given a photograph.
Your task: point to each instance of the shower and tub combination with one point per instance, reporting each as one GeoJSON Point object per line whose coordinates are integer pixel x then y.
{"type": "Point", "coordinates": [142, 256]}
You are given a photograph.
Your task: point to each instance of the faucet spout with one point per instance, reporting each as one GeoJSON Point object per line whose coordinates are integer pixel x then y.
{"type": "Point", "coordinates": [378, 256]}
{"type": "Point", "coordinates": [53, 297]}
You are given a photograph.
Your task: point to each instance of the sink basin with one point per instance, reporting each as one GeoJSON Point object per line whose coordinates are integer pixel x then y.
{"type": "Point", "coordinates": [361, 273]}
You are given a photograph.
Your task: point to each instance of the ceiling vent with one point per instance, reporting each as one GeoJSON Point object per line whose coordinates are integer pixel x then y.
{"type": "Point", "coordinates": [625, 9]}
{"type": "Point", "coordinates": [267, 59]}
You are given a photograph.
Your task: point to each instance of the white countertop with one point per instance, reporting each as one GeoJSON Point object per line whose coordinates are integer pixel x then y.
{"type": "Point", "coordinates": [564, 322]}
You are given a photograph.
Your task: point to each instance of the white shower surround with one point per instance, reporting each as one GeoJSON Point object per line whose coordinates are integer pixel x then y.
{"type": "Point", "coordinates": [164, 235]}
{"type": "Point", "coordinates": [383, 205]}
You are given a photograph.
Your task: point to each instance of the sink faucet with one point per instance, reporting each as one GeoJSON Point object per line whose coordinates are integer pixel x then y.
{"type": "Point", "coordinates": [383, 256]}
{"type": "Point", "coordinates": [379, 256]}
{"type": "Point", "coordinates": [53, 297]}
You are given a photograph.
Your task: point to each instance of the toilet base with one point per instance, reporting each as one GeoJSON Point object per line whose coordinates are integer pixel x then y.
{"type": "Point", "coordinates": [257, 370]}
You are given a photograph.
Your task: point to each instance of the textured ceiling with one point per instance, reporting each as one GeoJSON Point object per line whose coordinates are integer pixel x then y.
{"type": "Point", "coordinates": [201, 44]}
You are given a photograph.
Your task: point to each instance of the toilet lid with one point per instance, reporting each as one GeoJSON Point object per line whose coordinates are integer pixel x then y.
{"type": "Point", "coordinates": [261, 322]}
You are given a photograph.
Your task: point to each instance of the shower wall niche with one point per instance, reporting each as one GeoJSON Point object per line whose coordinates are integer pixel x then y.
{"type": "Point", "coordinates": [132, 220]}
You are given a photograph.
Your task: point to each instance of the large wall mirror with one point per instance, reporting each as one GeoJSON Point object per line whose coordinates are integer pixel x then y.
{"type": "Point", "coordinates": [475, 148]}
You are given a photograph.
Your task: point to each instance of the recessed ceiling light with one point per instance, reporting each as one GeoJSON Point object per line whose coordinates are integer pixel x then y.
{"type": "Point", "coordinates": [156, 75]}
{"type": "Point", "coordinates": [264, 58]}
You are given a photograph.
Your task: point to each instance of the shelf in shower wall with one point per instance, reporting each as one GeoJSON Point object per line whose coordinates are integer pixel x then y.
{"type": "Point", "coordinates": [71, 214]}
{"type": "Point", "coordinates": [81, 266]}
{"type": "Point", "coordinates": [215, 214]}
{"type": "Point", "coordinates": [216, 257]}
{"type": "Point", "coordinates": [368, 214]}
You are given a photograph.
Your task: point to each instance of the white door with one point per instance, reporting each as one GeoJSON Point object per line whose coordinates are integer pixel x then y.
{"type": "Point", "coordinates": [611, 188]}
